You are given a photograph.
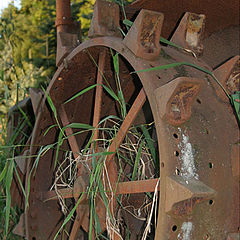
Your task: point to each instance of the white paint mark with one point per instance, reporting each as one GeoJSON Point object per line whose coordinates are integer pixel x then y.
{"type": "Point", "coordinates": [186, 231]}
{"type": "Point", "coordinates": [188, 169]}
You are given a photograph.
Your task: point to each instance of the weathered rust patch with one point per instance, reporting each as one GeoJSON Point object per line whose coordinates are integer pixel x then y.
{"type": "Point", "coordinates": [194, 30]}
{"type": "Point", "coordinates": [144, 36]}
{"type": "Point", "coordinates": [179, 106]}
{"type": "Point", "coordinates": [186, 207]}
{"type": "Point", "coordinates": [105, 21]}
{"type": "Point", "coordinates": [149, 28]}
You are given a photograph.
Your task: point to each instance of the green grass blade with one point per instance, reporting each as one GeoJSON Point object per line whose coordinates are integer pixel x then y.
{"type": "Point", "coordinates": [173, 65]}
{"type": "Point", "coordinates": [25, 117]}
{"type": "Point", "coordinates": [236, 104]}
{"type": "Point", "coordinates": [78, 126]}
{"type": "Point", "coordinates": [67, 219]}
{"type": "Point", "coordinates": [111, 93]}
{"type": "Point", "coordinates": [81, 93]}
{"type": "Point", "coordinates": [53, 108]}
{"type": "Point", "coordinates": [91, 219]}
{"type": "Point", "coordinates": [150, 143]}
{"type": "Point", "coordinates": [19, 181]}
{"type": "Point", "coordinates": [127, 22]}
{"type": "Point", "coordinates": [3, 173]}
{"type": "Point", "coordinates": [116, 63]}
{"type": "Point", "coordinates": [9, 178]}
{"type": "Point", "coordinates": [104, 199]}
{"type": "Point", "coordinates": [136, 163]}
{"type": "Point", "coordinates": [163, 40]}
{"type": "Point", "coordinates": [46, 132]}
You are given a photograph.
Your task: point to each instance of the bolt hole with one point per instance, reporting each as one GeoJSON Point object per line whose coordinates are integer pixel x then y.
{"type": "Point", "coordinates": [159, 77]}
{"type": "Point", "coordinates": [175, 135]}
{"type": "Point", "coordinates": [33, 238]}
{"type": "Point", "coordinates": [211, 202]}
{"type": "Point", "coordinates": [199, 101]}
{"type": "Point", "coordinates": [210, 165]}
{"type": "Point", "coordinates": [176, 153]}
{"type": "Point", "coordinates": [177, 172]}
{"type": "Point", "coordinates": [162, 164]}
{"type": "Point", "coordinates": [174, 228]}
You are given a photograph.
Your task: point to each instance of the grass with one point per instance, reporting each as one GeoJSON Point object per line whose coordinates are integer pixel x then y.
{"type": "Point", "coordinates": [8, 150]}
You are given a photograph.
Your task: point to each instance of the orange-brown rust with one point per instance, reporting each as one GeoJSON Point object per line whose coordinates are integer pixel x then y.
{"type": "Point", "coordinates": [63, 15]}
{"type": "Point", "coordinates": [220, 14]}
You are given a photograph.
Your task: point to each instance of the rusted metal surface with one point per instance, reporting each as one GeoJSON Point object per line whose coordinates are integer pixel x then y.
{"type": "Point", "coordinates": [98, 94]}
{"type": "Point", "coordinates": [20, 227]}
{"type": "Point", "coordinates": [122, 188]}
{"type": "Point", "coordinates": [21, 161]}
{"type": "Point", "coordinates": [229, 76]}
{"type": "Point", "coordinates": [219, 14]}
{"type": "Point", "coordinates": [146, 29]}
{"type": "Point", "coordinates": [178, 97]}
{"type": "Point", "coordinates": [189, 33]}
{"type": "Point", "coordinates": [128, 121]}
{"type": "Point", "coordinates": [68, 31]}
{"type": "Point", "coordinates": [201, 126]}
{"type": "Point", "coordinates": [63, 15]}
{"type": "Point", "coordinates": [69, 132]}
{"type": "Point", "coordinates": [198, 175]}
{"type": "Point", "coordinates": [36, 96]}
{"type": "Point", "coordinates": [105, 20]}
{"type": "Point", "coordinates": [182, 195]}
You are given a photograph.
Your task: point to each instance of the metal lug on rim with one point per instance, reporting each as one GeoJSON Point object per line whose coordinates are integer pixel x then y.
{"type": "Point", "coordinates": [144, 36]}
{"type": "Point", "coordinates": [189, 32]}
{"type": "Point", "coordinates": [229, 76]}
{"type": "Point", "coordinates": [175, 99]}
{"type": "Point", "coordinates": [36, 96]}
{"type": "Point", "coordinates": [20, 227]}
{"type": "Point", "coordinates": [183, 194]}
{"type": "Point", "coordinates": [66, 42]}
{"type": "Point", "coordinates": [105, 21]}
{"type": "Point", "coordinates": [21, 161]}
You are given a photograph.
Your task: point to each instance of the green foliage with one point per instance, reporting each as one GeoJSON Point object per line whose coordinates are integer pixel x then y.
{"type": "Point", "coordinates": [27, 49]}
{"type": "Point", "coordinates": [235, 99]}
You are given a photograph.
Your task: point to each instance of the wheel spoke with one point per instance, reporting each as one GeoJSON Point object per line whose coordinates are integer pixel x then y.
{"type": "Point", "coordinates": [76, 226]}
{"type": "Point", "coordinates": [130, 187]}
{"type": "Point", "coordinates": [99, 92]}
{"type": "Point", "coordinates": [69, 132]}
{"type": "Point", "coordinates": [128, 121]}
{"type": "Point", "coordinates": [137, 186]}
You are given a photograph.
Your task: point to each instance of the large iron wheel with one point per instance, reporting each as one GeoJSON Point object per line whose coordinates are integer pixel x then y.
{"type": "Point", "coordinates": [193, 121]}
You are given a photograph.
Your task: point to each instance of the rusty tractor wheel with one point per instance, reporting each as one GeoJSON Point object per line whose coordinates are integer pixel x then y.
{"type": "Point", "coordinates": [94, 137]}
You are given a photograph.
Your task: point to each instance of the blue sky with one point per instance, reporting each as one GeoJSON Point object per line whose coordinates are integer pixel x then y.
{"type": "Point", "coordinates": [4, 3]}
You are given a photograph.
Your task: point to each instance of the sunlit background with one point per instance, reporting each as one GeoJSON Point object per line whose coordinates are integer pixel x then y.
{"type": "Point", "coordinates": [4, 3]}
